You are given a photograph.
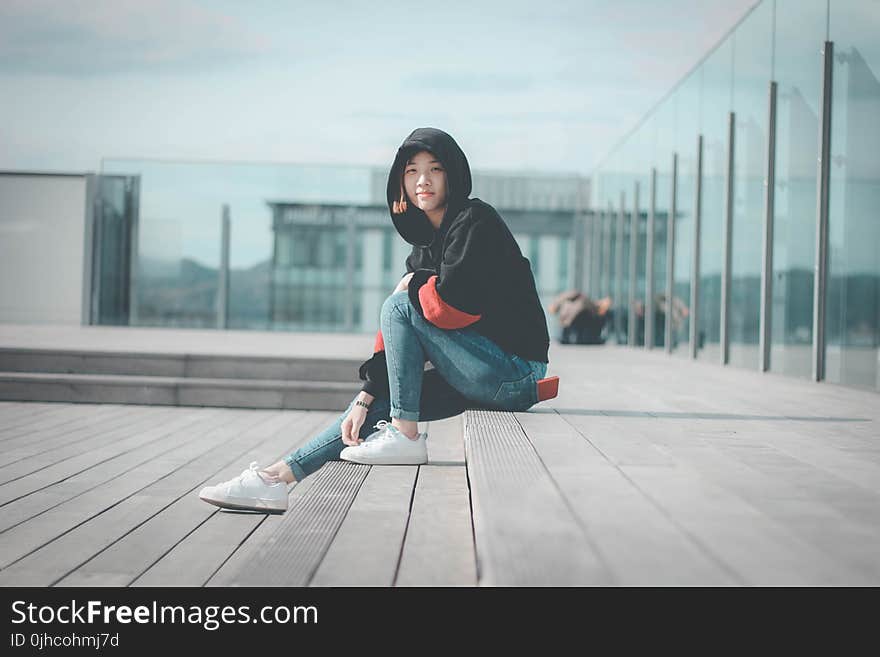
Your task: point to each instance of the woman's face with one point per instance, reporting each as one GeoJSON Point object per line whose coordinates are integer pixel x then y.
{"type": "Point", "coordinates": [424, 180]}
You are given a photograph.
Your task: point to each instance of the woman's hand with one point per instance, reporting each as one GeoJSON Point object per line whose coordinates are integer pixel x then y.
{"type": "Point", "coordinates": [404, 283]}
{"type": "Point", "coordinates": [351, 425]}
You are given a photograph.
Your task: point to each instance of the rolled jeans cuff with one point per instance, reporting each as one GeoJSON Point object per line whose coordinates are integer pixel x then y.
{"type": "Point", "coordinates": [297, 470]}
{"type": "Point", "coordinates": [400, 414]}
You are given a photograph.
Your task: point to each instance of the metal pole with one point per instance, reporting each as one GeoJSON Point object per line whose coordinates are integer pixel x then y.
{"type": "Point", "coordinates": [595, 254]}
{"type": "Point", "coordinates": [351, 237]}
{"type": "Point", "coordinates": [633, 265]}
{"type": "Point", "coordinates": [277, 237]}
{"type": "Point", "coordinates": [134, 260]}
{"type": "Point", "coordinates": [579, 241]}
{"type": "Point", "coordinates": [726, 234]}
{"type": "Point", "coordinates": [223, 274]}
{"type": "Point", "coordinates": [618, 271]}
{"type": "Point", "coordinates": [766, 316]}
{"type": "Point", "coordinates": [694, 337]}
{"type": "Point", "coordinates": [820, 269]}
{"type": "Point", "coordinates": [609, 227]}
{"type": "Point", "coordinates": [670, 254]}
{"type": "Point", "coordinates": [649, 264]}
{"type": "Point", "coordinates": [92, 248]}
{"type": "Point", "coordinates": [591, 263]}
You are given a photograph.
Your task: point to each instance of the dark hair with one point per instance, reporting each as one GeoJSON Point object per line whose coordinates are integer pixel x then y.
{"type": "Point", "coordinates": [399, 206]}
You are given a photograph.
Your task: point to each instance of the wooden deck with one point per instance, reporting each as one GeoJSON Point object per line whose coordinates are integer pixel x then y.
{"type": "Point", "coordinates": [646, 470]}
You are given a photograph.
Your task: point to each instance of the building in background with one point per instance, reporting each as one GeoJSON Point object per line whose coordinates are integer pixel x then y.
{"type": "Point", "coordinates": [66, 246]}
{"type": "Point", "coordinates": [205, 245]}
{"type": "Point", "coordinates": [334, 264]}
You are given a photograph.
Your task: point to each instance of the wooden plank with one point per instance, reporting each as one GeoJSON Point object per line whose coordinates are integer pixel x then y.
{"type": "Point", "coordinates": [526, 534]}
{"type": "Point", "coordinates": [196, 559]}
{"type": "Point", "coordinates": [439, 546]}
{"type": "Point", "coordinates": [756, 547]}
{"type": "Point", "coordinates": [262, 534]}
{"type": "Point", "coordinates": [12, 412]}
{"type": "Point", "coordinates": [639, 543]}
{"type": "Point", "coordinates": [21, 461]}
{"type": "Point", "coordinates": [292, 553]}
{"type": "Point", "coordinates": [67, 417]}
{"type": "Point", "coordinates": [446, 441]}
{"type": "Point", "coordinates": [852, 501]}
{"type": "Point", "coordinates": [54, 543]}
{"type": "Point", "coordinates": [46, 440]}
{"type": "Point", "coordinates": [185, 543]}
{"type": "Point", "coordinates": [51, 497]}
{"type": "Point", "coordinates": [366, 549]}
{"type": "Point", "coordinates": [795, 506]}
{"type": "Point", "coordinates": [56, 472]}
{"type": "Point", "coordinates": [820, 441]}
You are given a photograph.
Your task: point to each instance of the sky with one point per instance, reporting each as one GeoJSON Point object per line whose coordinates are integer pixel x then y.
{"type": "Point", "coordinates": [523, 86]}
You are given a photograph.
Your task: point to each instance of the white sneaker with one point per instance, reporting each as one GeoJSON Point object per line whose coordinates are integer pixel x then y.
{"type": "Point", "coordinates": [248, 491]}
{"type": "Point", "coordinates": [388, 446]}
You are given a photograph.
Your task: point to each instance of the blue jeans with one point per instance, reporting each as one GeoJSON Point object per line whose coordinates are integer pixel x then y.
{"type": "Point", "coordinates": [470, 371]}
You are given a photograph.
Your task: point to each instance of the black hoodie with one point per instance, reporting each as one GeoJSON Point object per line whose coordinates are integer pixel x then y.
{"type": "Point", "coordinates": [468, 273]}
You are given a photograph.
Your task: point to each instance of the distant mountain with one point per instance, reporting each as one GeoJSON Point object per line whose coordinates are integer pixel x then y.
{"type": "Point", "coordinates": [184, 293]}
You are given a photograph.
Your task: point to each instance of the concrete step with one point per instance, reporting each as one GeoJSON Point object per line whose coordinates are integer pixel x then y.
{"type": "Point", "coordinates": [177, 391]}
{"type": "Point", "coordinates": [198, 366]}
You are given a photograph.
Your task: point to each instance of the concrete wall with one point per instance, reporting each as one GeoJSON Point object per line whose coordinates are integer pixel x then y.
{"type": "Point", "coordinates": [42, 232]}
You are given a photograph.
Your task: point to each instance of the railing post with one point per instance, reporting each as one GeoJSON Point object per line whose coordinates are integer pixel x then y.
{"type": "Point", "coordinates": [670, 255]}
{"type": "Point", "coordinates": [649, 263]}
{"type": "Point", "coordinates": [223, 273]}
{"type": "Point", "coordinates": [726, 245]}
{"type": "Point", "coordinates": [633, 266]}
{"type": "Point", "coordinates": [606, 251]}
{"type": "Point", "coordinates": [766, 312]}
{"type": "Point", "coordinates": [694, 307]}
{"type": "Point", "coordinates": [618, 271]}
{"type": "Point", "coordinates": [820, 268]}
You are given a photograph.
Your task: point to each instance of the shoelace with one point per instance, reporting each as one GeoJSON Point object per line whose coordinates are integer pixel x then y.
{"type": "Point", "coordinates": [384, 432]}
{"type": "Point", "coordinates": [382, 426]}
{"type": "Point", "coordinates": [252, 468]}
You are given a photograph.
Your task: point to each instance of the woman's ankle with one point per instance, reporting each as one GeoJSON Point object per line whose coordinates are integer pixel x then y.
{"type": "Point", "coordinates": [408, 428]}
{"type": "Point", "coordinates": [280, 471]}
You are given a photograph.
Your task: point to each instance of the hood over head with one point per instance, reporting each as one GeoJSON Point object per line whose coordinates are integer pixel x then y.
{"type": "Point", "coordinates": [414, 225]}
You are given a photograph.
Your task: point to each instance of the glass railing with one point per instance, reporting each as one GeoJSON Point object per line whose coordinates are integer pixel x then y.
{"type": "Point", "coordinates": [782, 41]}
{"type": "Point", "coordinates": [286, 247]}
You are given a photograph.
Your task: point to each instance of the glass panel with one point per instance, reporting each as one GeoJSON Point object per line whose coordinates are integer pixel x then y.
{"type": "Point", "coordinates": [621, 289]}
{"type": "Point", "coordinates": [597, 250]}
{"type": "Point", "coordinates": [716, 103]}
{"type": "Point", "coordinates": [595, 263]}
{"type": "Point", "coordinates": [611, 230]}
{"type": "Point", "coordinates": [312, 247]}
{"type": "Point", "coordinates": [687, 127]}
{"type": "Point", "coordinates": [752, 61]}
{"type": "Point", "coordinates": [625, 189]}
{"type": "Point", "coordinates": [271, 212]}
{"type": "Point", "coordinates": [664, 144]}
{"type": "Point", "coordinates": [853, 292]}
{"type": "Point", "coordinates": [800, 25]}
{"type": "Point", "coordinates": [642, 176]}
{"type": "Point", "coordinates": [115, 220]}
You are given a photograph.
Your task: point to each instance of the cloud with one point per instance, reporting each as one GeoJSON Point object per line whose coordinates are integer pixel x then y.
{"type": "Point", "coordinates": [468, 82]}
{"type": "Point", "coordinates": [88, 37]}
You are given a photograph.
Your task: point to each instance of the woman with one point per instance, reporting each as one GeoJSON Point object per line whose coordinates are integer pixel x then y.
{"type": "Point", "coordinates": [467, 304]}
